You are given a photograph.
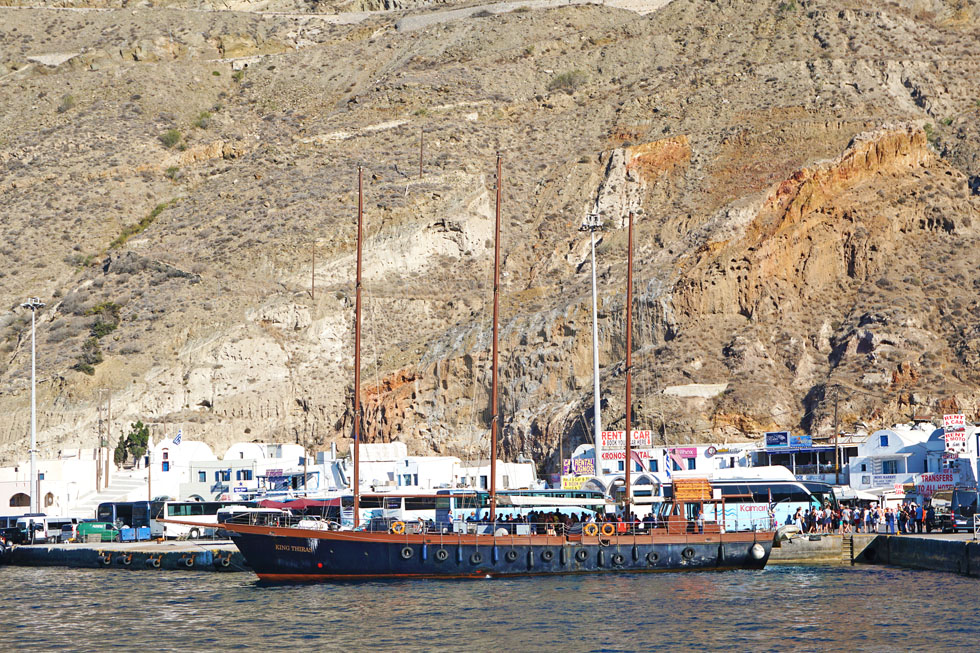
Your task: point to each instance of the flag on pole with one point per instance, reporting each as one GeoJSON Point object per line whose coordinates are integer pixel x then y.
{"type": "Point", "coordinates": [635, 455]}
{"type": "Point", "coordinates": [177, 439]}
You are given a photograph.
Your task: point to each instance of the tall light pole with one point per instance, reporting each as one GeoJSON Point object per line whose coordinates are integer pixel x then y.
{"type": "Point", "coordinates": [592, 224]}
{"type": "Point", "coordinates": [33, 303]}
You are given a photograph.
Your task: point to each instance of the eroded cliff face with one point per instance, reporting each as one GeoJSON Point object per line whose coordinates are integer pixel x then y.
{"type": "Point", "coordinates": [802, 181]}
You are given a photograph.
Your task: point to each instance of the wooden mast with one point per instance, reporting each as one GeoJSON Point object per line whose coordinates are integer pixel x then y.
{"type": "Point", "coordinates": [356, 482]}
{"type": "Point", "coordinates": [629, 366]}
{"type": "Point", "coordinates": [494, 412]}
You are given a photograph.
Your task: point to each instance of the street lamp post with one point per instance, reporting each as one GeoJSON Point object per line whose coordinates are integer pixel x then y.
{"type": "Point", "coordinates": [33, 303]}
{"type": "Point", "coordinates": [592, 224]}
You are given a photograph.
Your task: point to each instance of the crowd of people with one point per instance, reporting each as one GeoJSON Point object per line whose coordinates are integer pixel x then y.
{"type": "Point", "coordinates": [871, 518]}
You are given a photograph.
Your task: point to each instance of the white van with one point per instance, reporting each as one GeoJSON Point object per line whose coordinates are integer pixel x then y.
{"type": "Point", "coordinates": [41, 529]}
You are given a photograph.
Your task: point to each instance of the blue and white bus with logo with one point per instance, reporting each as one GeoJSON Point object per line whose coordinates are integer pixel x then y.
{"type": "Point", "coordinates": [760, 498]}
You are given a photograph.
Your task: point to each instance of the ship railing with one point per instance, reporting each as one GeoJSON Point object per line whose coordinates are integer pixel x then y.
{"type": "Point", "coordinates": [282, 520]}
{"type": "Point", "coordinates": [576, 531]}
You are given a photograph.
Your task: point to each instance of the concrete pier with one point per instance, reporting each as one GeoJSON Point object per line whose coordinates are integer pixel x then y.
{"type": "Point", "coordinates": [217, 555]}
{"type": "Point", "coordinates": [957, 553]}
{"type": "Point", "coordinates": [820, 549]}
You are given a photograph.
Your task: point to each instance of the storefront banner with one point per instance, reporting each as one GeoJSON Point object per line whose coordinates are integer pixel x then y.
{"type": "Point", "coordinates": [617, 439]}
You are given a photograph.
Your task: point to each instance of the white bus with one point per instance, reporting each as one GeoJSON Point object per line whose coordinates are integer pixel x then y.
{"type": "Point", "coordinates": [761, 498]}
{"type": "Point", "coordinates": [204, 514]}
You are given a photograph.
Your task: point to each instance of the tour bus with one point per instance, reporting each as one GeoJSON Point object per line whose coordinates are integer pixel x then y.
{"type": "Point", "coordinates": [763, 498]}
{"type": "Point", "coordinates": [203, 513]}
{"type": "Point", "coordinates": [40, 528]}
{"type": "Point", "coordinates": [134, 514]}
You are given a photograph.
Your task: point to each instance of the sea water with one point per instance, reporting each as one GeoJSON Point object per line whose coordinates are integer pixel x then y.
{"type": "Point", "coordinates": [778, 609]}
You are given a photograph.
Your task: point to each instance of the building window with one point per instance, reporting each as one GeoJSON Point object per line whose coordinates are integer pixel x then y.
{"type": "Point", "coordinates": [165, 467]}
{"type": "Point", "coordinates": [653, 465]}
{"type": "Point", "coordinates": [20, 500]}
{"type": "Point", "coordinates": [415, 479]}
{"type": "Point", "coordinates": [483, 482]}
{"type": "Point", "coordinates": [889, 467]}
{"type": "Point", "coordinates": [202, 477]}
{"type": "Point", "coordinates": [246, 474]}
{"type": "Point", "coordinates": [217, 476]}
{"type": "Point", "coordinates": [864, 467]}
{"type": "Point", "coordinates": [882, 440]}
{"type": "Point", "coordinates": [406, 479]}
{"type": "Point", "coordinates": [622, 465]}
{"type": "Point", "coordinates": [506, 481]}
{"type": "Point", "coordinates": [692, 463]}
{"type": "Point", "coordinates": [226, 475]}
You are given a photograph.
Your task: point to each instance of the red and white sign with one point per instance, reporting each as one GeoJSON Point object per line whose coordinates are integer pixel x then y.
{"type": "Point", "coordinates": [929, 484]}
{"type": "Point", "coordinates": [617, 439]}
{"type": "Point", "coordinates": [954, 422]}
{"type": "Point", "coordinates": [621, 455]}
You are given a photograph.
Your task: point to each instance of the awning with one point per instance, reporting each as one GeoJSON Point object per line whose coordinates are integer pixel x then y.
{"type": "Point", "coordinates": [300, 504]}
{"type": "Point", "coordinates": [848, 493]}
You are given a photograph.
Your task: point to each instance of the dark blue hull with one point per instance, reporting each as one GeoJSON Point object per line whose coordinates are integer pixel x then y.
{"type": "Point", "coordinates": [288, 557]}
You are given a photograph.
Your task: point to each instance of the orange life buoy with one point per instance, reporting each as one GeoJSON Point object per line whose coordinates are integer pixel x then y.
{"type": "Point", "coordinates": [590, 529]}
{"type": "Point", "coordinates": [608, 529]}
{"type": "Point", "coordinates": [398, 527]}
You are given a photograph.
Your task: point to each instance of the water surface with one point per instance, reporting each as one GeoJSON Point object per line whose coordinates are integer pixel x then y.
{"type": "Point", "coordinates": [778, 609]}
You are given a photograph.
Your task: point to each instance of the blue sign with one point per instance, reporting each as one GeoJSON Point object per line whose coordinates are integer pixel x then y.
{"type": "Point", "coordinates": [801, 440]}
{"type": "Point", "coordinates": [777, 439]}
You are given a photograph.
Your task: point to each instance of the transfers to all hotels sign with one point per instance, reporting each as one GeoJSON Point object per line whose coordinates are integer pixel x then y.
{"type": "Point", "coordinates": [617, 439]}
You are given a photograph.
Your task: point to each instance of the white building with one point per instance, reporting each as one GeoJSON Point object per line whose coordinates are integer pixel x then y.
{"type": "Point", "coordinates": [651, 465]}
{"type": "Point", "coordinates": [62, 481]}
{"type": "Point", "coordinates": [893, 459]}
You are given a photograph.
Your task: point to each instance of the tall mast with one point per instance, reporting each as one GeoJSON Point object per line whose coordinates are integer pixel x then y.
{"type": "Point", "coordinates": [494, 412]}
{"type": "Point", "coordinates": [592, 224]}
{"type": "Point", "coordinates": [629, 364]}
{"type": "Point", "coordinates": [357, 353]}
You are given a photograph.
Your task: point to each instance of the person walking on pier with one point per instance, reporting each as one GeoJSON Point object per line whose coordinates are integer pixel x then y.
{"type": "Point", "coordinates": [930, 518]}
{"type": "Point", "coordinates": [919, 518]}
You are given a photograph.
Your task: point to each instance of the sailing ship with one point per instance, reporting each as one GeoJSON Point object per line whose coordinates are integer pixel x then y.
{"type": "Point", "coordinates": [280, 550]}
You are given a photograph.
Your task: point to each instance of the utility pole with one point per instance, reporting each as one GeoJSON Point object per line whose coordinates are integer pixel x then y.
{"type": "Point", "coordinates": [836, 439]}
{"type": "Point", "coordinates": [34, 304]}
{"type": "Point", "coordinates": [592, 224]}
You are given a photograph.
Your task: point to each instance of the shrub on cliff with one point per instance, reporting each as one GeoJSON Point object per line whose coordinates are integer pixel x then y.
{"type": "Point", "coordinates": [568, 81]}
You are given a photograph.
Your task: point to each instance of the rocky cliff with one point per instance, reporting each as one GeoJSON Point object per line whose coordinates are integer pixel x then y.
{"type": "Point", "coordinates": [180, 188]}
